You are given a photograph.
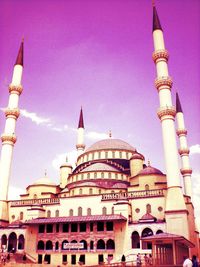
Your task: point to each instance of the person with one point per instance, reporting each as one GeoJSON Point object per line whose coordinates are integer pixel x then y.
{"type": "Point", "coordinates": [146, 259]}
{"type": "Point", "coordinates": [150, 259]}
{"type": "Point", "coordinates": [24, 257]}
{"type": "Point", "coordinates": [194, 261]}
{"type": "Point", "coordinates": [138, 260]}
{"type": "Point", "coordinates": [187, 262]}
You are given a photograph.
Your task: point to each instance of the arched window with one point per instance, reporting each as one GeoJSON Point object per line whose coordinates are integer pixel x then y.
{"type": "Point", "coordinates": [104, 211]}
{"type": "Point", "coordinates": [21, 216]}
{"type": "Point", "coordinates": [135, 240]}
{"type": "Point", "coordinates": [159, 232]}
{"type": "Point", "coordinates": [72, 192]}
{"type": "Point", "coordinates": [106, 154]}
{"type": "Point", "coordinates": [95, 175]}
{"type": "Point", "coordinates": [88, 175]}
{"type": "Point", "coordinates": [99, 191]}
{"type": "Point", "coordinates": [101, 244]}
{"type": "Point", "coordinates": [12, 242]}
{"type": "Point", "coordinates": [64, 243]}
{"type": "Point", "coordinates": [146, 187]}
{"type": "Point", "coordinates": [82, 176]}
{"type": "Point", "coordinates": [109, 175]}
{"type": "Point", "coordinates": [71, 212]}
{"type": "Point", "coordinates": [84, 244]}
{"type": "Point", "coordinates": [110, 244]}
{"type": "Point", "coordinates": [148, 208]}
{"type": "Point", "coordinates": [21, 242]}
{"type": "Point", "coordinates": [113, 210]}
{"type": "Point", "coordinates": [147, 232]}
{"type": "Point", "coordinates": [122, 176]}
{"type": "Point", "coordinates": [90, 191]}
{"type": "Point", "coordinates": [116, 176]}
{"type": "Point", "coordinates": [120, 154]}
{"type": "Point", "coordinates": [35, 196]}
{"type": "Point", "coordinates": [57, 246]}
{"type": "Point", "coordinates": [99, 155]}
{"type": "Point", "coordinates": [80, 210]}
{"type": "Point", "coordinates": [49, 245]}
{"type": "Point", "coordinates": [80, 191]}
{"type": "Point", "coordinates": [89, 211]}
{"type": "Point", "coordinates": [102, 175]}
{"type": "Point", "coordinates": [57, 213]}
{"type": "Point", "coordinates": [48, 214]}
{"type": "Point", "coordinates": [113, 154]}
{"type": "Point", "coordinates": [40, 245]}
{"type": "Point", "coordinates": [127, 157]}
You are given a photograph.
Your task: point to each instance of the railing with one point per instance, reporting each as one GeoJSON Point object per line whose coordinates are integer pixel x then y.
{"type": "Point", "coordinates": [37, 201]}
{"type": "Point", "coordinates": [134, 194]}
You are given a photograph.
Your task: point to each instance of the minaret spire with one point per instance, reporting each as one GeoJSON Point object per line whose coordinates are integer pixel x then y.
{"type": "Point", "coordinates": [175, 204]}
{"type": "Point", "coordinates": [8, 138]}
{"type": "Point", "coordinates": [20, 56]}
{"type": "Point", "coordinates": [186, 170]}
{"type": "Point", "coordinates": [80, 146]}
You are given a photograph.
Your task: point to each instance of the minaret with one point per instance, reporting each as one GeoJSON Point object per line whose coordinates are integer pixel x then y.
{"type": "Point", "coordinates": [175, 209]}
{"type": "Point", "coordinates": [186, 171]}
{"type": "Point", "coordinates": [80, 146]}
{"type": "Point", "coordinates": [8, 138]}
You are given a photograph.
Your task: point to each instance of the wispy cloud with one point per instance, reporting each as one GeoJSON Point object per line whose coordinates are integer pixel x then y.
{"type": "Point", "coordinates": [34, 117]}
{"type": "Point", "coordinates": [195, 149]}
{"type": "Point", "coordinates": [61, 158]}
{"type": "Point", "coordinates": [14, 192]}
{"type": "Point", "coordinates": [96, 135]}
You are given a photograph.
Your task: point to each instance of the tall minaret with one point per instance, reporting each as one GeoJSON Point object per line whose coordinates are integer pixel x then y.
{"type": "Point", "coordinates": [175, 206]}
{"type": "Point", "coordinates": [186, 170]}
{"type": "Point", "coordinates": [8, 138]}
{"type": "Point", "coordinates": [80, 146]}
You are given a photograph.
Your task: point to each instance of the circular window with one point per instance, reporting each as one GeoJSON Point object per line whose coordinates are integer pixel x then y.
{"type": "Point", "coordinates": [160, 209]}
{"type": "Point", "coordinates": [137, 210]}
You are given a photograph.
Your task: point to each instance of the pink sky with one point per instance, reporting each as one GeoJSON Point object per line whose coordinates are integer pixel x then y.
{"type": "Point", "coordinates": [96, 53]}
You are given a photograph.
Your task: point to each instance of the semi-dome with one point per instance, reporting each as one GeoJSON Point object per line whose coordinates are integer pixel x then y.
{"type": "Point", "coordinates": [44, 181]}
{"type": "Point", "coordinates": [150, 170]}
{"type": "Point", "coordinates": [111, 143]}
{"type": "Point", "coordinates": [99, 167]}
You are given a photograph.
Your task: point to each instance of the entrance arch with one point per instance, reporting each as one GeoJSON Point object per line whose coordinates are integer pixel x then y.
{"type": "Point", "coordinates": [21, 242]}
{"type": "Point", "coordinates": [147, 232]}
{"type": "Point", "coordinates": [12, 242]}
{"type": "Point", "coordinates": [135, 240]}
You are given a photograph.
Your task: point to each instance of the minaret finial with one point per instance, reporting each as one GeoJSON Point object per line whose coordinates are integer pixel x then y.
{"type": "Point", "coordinates": [148, 163]}
{"type": "Point", "coordinates": [81, 122]}
{"type": "Point", "coordinates": [45, 172]}
{"type": "Point", "coordinates": [178, 104]}
{"type": "Point", "coordinates": [156, 21]}
{"type": "Point", "coordinates": [20, 56]}
{"type": "Point", "coordinates": [110, 134]}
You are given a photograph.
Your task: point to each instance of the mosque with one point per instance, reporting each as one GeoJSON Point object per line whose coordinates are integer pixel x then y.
{"type": "Point", "coordinates": [112, 203]}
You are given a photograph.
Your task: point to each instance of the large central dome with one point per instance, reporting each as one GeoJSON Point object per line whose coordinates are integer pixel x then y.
{"type": "Point", "coordinates": [110, 143]}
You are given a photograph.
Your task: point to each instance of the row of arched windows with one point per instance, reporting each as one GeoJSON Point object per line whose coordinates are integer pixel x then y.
{"type": "Point", "coordinates": [135, 237]}
{"type": "Point", "coordinates": [100, 245]}
{"type": "Point", "coordinates": [80, 212]}
{"type": "Point", "coordinates": [12, 241]}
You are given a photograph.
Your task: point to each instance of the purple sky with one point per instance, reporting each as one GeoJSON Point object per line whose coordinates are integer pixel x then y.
{"type": "Point", "coordinates": [95, 53]}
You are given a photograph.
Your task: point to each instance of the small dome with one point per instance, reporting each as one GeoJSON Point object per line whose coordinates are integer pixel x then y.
{"type": "Point", "coordinates": [150, 170]}
{"type": "Point", "coordinates": [137, 156]}
{"type": "Point", "coordinates": [99, 167]}
{"type": "Point", "coordinates": [44, 181]}
{"type": "Point", "coordinates": [111, 144]}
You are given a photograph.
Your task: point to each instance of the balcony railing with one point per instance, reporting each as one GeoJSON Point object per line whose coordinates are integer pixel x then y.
{"type": "Point", "coordinates": [39, 201]}
{"type": "Point", "coordinates": [134, 194]}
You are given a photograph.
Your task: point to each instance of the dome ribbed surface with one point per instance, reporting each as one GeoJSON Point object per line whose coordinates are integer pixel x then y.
{"type": "Point", "coordinates": [44, 180]}
{"type": "Point", "coordinates": [99, 167]}
{"type": "Point", "coordinates": [110, 144]}
{"type": "Point", "coordinates": [150, 170]}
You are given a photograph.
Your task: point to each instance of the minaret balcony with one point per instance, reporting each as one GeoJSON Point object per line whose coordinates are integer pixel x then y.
{"type": "Point", "coordinates": [181, 132]}
{"type": "Point", "coordinates": [160, 55]}
{"type": "Point", "coordinates": [186, 172]}
{"type": "Point", "coordinates": [164, 82]}
{"type": "Point", "coordinates": [12, 113]}
{"type": "Point", "coordinates": [184, 151]}
{"type": "Point", "coordinates": [15, 89]}
{"type": "Point", "coordinates": [166, 113]}
{"type": "Point", "coordinates": [8, 139]}
{"type": "Point", "coordinates": [80, 146]}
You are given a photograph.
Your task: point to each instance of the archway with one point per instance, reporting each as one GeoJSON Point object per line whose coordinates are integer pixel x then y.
{"type": "Point", "coordinates": [110, 244]}
{"type": "Point", "coordinates": [135, 240]}
{"type": "Point", "coordinates": [159, 232]}
{"type": "Point", "coordinates": [4, 240]}
{"type": "Point", "coordinates": [100, 244]}
{"type": "Point", "coordinates": [12, 242]}
{"type": "Point", "coordinates": [147, 232]}
{"type": "Point", "coordinates": [21, 242]}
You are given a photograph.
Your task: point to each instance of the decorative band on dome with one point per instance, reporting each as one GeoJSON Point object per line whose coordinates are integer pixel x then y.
{"type": "Point", "coordinates": [160, 55]}
{"type": "Point", "coordinates": [181, 132]}
{"type": "Point", "coordinates": [166, 113]}
{"type": "Point", "coordinates": [5, 138]}
{"type": "Point", "coordinates": [163, 82]}
{"type": "Point", "coordinates": [137, 156]}
{"type": "Point", "coordinates": [186, 171]}
{"type": "Point", "coordinates": [12, 113]}
{"type": "Point", "coordinates": [15, 89]}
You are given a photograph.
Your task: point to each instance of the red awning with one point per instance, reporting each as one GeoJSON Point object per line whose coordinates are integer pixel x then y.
{"type": "Point", "coordinates": [71, 219]}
